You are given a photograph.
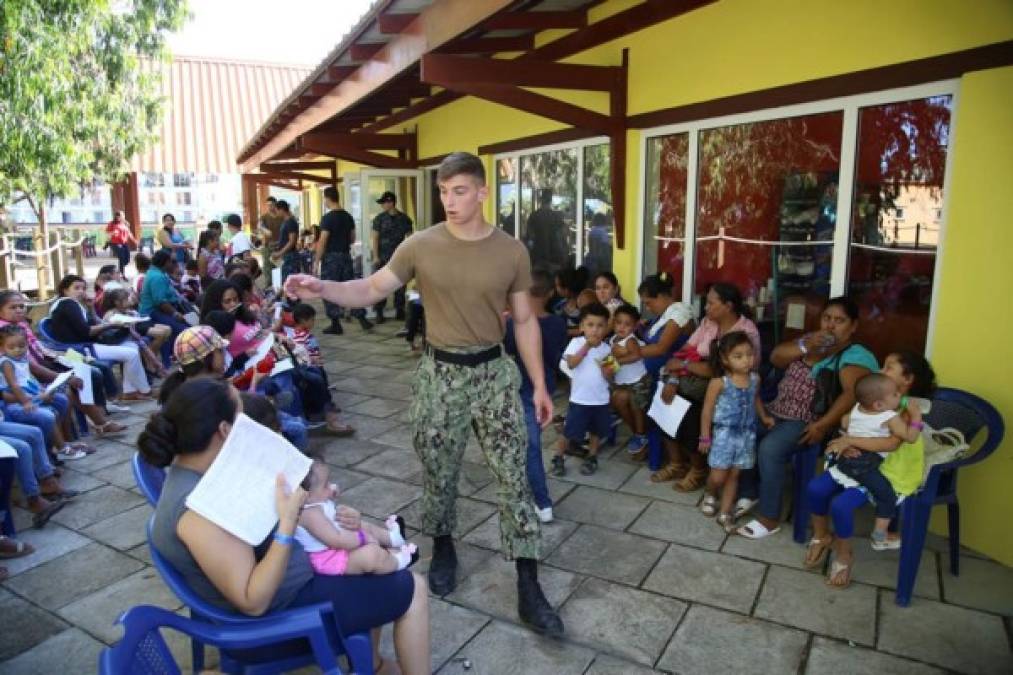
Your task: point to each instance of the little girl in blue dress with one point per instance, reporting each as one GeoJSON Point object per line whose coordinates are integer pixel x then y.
{"type": "Point", "coordinates": [728, 423]}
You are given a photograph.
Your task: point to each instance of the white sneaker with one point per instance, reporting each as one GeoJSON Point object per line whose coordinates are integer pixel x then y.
{"type": "Point", "coordinates": [113, 408]}
{"type": "Point", "coordinates": [545, 515]}
{"type": "Point", "coordinates": [744, 505]}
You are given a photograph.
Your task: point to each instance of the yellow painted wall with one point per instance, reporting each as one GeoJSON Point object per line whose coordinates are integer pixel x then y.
{"type": "Point", "coordinates": [737, 46]}
{"type": "Point", "coordinates": [973, 328]}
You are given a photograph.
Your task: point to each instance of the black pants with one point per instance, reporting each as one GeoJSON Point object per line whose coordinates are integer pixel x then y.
{"type": "Point", "coordinates": [338, 267]}
{"type": "Point", "coordinates": [415, 321]}
{"type": "Point", "coordinates": [399, 296]}
{"type": "Point", "coordinates": [122, 253]}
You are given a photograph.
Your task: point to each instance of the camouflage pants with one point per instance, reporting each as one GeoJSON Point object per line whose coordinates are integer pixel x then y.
{"type": "Point", "coordinates": [448, 401]}
{"type": "Point", "coordinates": [338, 267]}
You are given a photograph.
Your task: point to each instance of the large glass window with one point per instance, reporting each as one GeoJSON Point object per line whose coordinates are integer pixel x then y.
{"type": "Point", "coordinates": [506, 195]}
{"type": "Point", "coordinates": [549, 208]}
{"type": "Point", "coordinates": [597, 215]}
{"type": "Point", "coordinates": [665, 206]}
{"type": "Point", "coordinates": [895, 218]}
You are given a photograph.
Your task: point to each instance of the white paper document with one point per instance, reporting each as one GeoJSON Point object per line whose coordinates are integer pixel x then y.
{"type": "Point", "coordinates": [124, 319]}
{"type": "Point", "coordinates": [263, 349]}
{"type": "Point", "coordinates": [85, 394]}
{"type": "Point", "coordinates": [60, 380]}
{"type": "Point", "coordinates": [276, 278]}
{"type": "Point", "coordinates": [191, 318]}
{"type": "Point", "coordinates": [70, 358]}
{"type": "Point", "coordinates": [237, 492]}
{"type": "Point", "coordinates": [282, 366]}
{"type": "Point", "coordinates": [668, 417]}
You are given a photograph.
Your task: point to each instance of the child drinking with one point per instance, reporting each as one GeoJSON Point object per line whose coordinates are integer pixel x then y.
{"type": "Point", "coordinates": [728, 422]}
{"type": "Point", "coordinates": [190, 282]}
{"type": "Point", "coordinates": [336, 551]}
{"type": "Point", "coordinates": [875, 415]}
{"type": "Point", "coordinates": [20, 388]}
{"type": "Point", "coordinates": [119, 301]}
{"type": "Point", "coordinates": [631, 383]}
{"type": "Point", "coordinates": [589, 390]}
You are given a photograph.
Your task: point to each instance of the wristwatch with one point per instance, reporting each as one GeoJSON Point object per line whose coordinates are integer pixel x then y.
{"type": "Point", "coordinates": [802, 348]}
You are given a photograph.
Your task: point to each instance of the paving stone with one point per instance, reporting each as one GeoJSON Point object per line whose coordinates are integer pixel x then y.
{"type": "Point", "coordinates": [470, 513]}
{"type": "Point", "coordinates": [378, 407]}
{"type": "Point", "coordinates": [96, 505]}
{"type": "Point", "coordinates": [879, 568]}
{"type": "Point", "coordinates": [778, 548]}
{"type": "Point", "coordinates": [711, 578]}
{"type": "Point", "coordinates": [609, 665]}
{"type": "Point", "coordinates": [960, 639]}
{"type": "Point", "coordinates": [399, 436]}
{"type": "Point", "coordinates": [451, 627]}
{"type": "Point", "coordinates": [557, 491]}
{"type": "Point", "coordinates": [65, 652]}
{"type": "Point", "coordinates": [393, 463]}
{"type": "Point", "coordinates": [50, 542]}
{"type": "Point", "coordinates": [23, 625]}
{"type": "Point", "coordinates": [625, 621]}
{"type": "Point", "coordinates": [373, 372]}
{"type": "Point", "coordinates": [982, 584]}
{"type": "Point", "coordinates": [710, 640]}
{"type": "Point", "coordinates": [120, 475]}
{"type": "Point", "coordinates": [605, 553]}
{"type": "Point", "coordinates": [830, 657]}
{"type": "Point", "coordinates": [469, 558]}
{"type": "Point", "coordinates": [804, 600]}
{"type": "Point", "coordinates": [679, 524]}
{"type": "Point", "coordinates": [351, 451]}
{"type": "Point", "coordinates": [492, 588]}
{"type": "Point", "coordinates": [97, 613]}
{"type": "Point", "coordinates": [124, 530]}
{"type": "Point", "coordinates": [347, 478]}
{"type": "Point", "coordinates": [553, 534]}
{"type": "Point", "coordinates": [346, 399]}
{"type": "Point", "coordinates": [610, 475]}
{"type": "Point", "coordinates": [142, 553]}
{"type": "Point", "coordinates": [367, 428]}
{"type": "Point", "coordinates": [380, 497]}
{"type": "Point", "coordinates": [78, 573]}
{"type": "Point", "coordinates": [600, 507]}
{"type": "Point", "coordinates": [640, 484]}
{"type": "Point", "coordinates": [82, 482]}
{"type": "Point", "coordinates": [110, 454]}
{"type": "Point", "coordinates": [505, 649]}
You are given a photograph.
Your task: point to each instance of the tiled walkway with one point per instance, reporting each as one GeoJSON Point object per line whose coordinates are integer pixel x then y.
{"type": "Point", "coordinates": [642, 579]}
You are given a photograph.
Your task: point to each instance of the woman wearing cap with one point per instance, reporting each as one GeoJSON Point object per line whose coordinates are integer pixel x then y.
{"type": "Point", "coordinates": [200, 352]}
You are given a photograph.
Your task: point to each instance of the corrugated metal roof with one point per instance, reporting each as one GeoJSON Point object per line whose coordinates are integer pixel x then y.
{"type": "Point", "coordinates": [214, 106]}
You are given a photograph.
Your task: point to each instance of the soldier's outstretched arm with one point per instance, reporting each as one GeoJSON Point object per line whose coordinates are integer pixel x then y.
{"type": "Point", "coordinates": [355, 293]}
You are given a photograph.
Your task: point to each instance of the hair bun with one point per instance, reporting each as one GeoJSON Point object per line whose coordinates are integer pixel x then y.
{"type": "Point", "coordinates": [158, 441]}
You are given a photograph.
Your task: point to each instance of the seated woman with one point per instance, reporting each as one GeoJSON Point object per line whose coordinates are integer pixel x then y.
{"type": "Point", "coordinates": [43, 494]}
{"type": "Point", "coordinates": [71, 320]}
{"type": "Point", "coordinates": [724, 312]}
{"type": "Point", "coordinates": [186, 436]}
{"type": "Point", "coordinates": [159, 299]}
{"type": "Point", "coordinates": [833, 498]}
{"type": "Point", "coordinates": [45, 367]}
{"type": "Point", "coordinates": [118, 302]}
{"type": "Point", "coordinates": [797, 423]}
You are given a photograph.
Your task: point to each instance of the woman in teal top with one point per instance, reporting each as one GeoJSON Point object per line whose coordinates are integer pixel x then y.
{"type": "Point", "coordinates": [797, 427]}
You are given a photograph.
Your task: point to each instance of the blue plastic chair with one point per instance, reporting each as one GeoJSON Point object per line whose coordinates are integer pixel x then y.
{"type": "Point", "coordinates": [42, 328]}
{"type": "Point", "coordinates": [143, 651]}
{"type": "Point", "coordinates": [969, 414]}
{"type": "Point", "coordinates": [804, 463]}
{"type": "Point", "coordinates": [358, 646]}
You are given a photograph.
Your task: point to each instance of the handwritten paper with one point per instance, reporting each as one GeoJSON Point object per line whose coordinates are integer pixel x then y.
{"type": "Point", "coordinates": [59, 381]}
{"type": "Point", "coordinates": [669, 416]}
{"type": "Point", "coordinates": [238, 491]}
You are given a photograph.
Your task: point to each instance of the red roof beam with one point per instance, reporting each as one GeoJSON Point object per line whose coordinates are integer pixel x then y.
{"type": "Point", "coordinates": [493, 45]}
{"type": "Point", "coordinates": [392, 24]}
{"type": "Point", "coordinates": [364, 51]}
{"type": "Point", "coordinates": [537, 20]}
{"type": "Point", "coordinates": [448, 71]}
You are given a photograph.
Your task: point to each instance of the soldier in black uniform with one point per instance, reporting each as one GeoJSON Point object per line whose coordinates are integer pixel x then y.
{"type": "Point", "coordinates": [390, 228]}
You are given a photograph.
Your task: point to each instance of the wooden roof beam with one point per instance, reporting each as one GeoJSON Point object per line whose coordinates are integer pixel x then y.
{"type": "Point", "coordinates": [265, 179]}
{"type": "Point", "coordinates": [537, 20]}
{"type": "Point", "coordinates": [364, 51]}
{"type": "Point", "coordinates": [338, 73]}
{"type": "Point", "coordinates": [364, 141]}
{"type": "Point", "coordinates": [442, 69]}
{"type": "Point", "coordinates": [392, 24]}
{"type": "Point", "coordinates": [493, 45]}
{"type": "Point", "coordinates": [300, 176]}
{"type": "Point", "coordinates": [297, 166]}
{"type": "Point", "coordinates": [320, 144]}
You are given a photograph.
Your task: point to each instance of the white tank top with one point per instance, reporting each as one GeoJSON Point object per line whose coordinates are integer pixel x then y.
{"type": "Point", "coordinates": [629, 373]}
{"type": "Point", "coordinates": [310, 543]}
{"type": "Point", "coordinates": [870, 425]}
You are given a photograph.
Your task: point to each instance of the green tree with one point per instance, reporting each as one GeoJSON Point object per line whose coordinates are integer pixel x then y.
{"type": "Point", "coordinates": [79, 91]}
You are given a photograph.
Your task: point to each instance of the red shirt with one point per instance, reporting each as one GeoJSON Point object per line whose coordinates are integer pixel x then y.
{"type": "Point", "coordinates": [118, 233]}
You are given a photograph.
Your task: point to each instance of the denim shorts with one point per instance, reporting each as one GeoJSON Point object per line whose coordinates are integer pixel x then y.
{"type": "Point", "coordinates": [583, 419]}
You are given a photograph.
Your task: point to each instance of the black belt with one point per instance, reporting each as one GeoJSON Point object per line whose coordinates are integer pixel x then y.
{"type": "Point", "coordinates": [470, 360]}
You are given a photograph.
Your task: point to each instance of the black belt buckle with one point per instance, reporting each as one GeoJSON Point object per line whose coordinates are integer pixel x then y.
{"type": "Point", "coordinates": [468, 360]}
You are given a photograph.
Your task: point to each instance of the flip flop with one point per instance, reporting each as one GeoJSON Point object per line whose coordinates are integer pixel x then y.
{"type": "Point", "coordinates": [754, 529]}
{"type": "Point", "coordinates": [21, 548]}
{"type": "Point", "coordinates": [837, 569]}
{"type": "Point", "coordinates": [40, 519]}
{"type": "Point", "coordinates": [341, 431]}
{"type": "Point", "coordinates": [84, 447]}
{"type": "Point", "coordinates": [822, 557]}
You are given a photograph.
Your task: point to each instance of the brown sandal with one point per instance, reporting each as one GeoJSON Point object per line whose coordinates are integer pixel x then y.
{"type": "Point", "coordinates": [692, 481]}
{"type": "Point", "coordinates": [671, 471]}
{"type": "Point", "coordinates": [821, 547]}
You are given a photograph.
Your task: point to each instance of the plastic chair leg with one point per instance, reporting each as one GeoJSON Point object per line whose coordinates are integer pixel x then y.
{"type": "Point", "coordinates": [655, 453]}
{"type": "Point", "coordinates": [804, 462]}
{"type": "Point", "coordinates": [914, 525]}
{"type": "Point", "coordinates": [82, 422]}
{"type": "Point", "coordinates": [360, 653]}
{"type": "Point", "coordinates": [953, 516]}
{"type": "Point", "coordinates": [613, 430]}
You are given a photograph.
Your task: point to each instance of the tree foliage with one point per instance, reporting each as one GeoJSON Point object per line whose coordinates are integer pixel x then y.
{"type": "Point", "coordinates": [79, 89]}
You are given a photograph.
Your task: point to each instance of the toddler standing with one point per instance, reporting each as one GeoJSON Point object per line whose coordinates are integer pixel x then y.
{"type": "Point", "coordinates": [631, 383]}
{"type": "Point", "coordinates": [588, 411]}
{"type": "Point", "coordinates": [728, 422]}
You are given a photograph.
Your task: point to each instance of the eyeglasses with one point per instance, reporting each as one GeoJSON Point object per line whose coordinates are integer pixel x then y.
{"type": "Point", "coordinates": [16, 306]}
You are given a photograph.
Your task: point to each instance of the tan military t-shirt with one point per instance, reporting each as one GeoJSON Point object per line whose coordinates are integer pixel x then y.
{"type": "Point", "coordinates": [464, 284]}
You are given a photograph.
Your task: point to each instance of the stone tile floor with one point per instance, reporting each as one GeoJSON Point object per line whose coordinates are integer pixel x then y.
{"type": "Point", "coordinates": [643, 581]}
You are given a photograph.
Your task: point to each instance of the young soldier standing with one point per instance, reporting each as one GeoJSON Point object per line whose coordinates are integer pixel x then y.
{"type": "Point", "coordinates": [467, 270]}
{"type": "Point", "coordinates": [390, 228]}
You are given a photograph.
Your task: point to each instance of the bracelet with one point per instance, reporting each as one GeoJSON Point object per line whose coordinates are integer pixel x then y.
{"type": "Point", "coordinates": [362, 537]}
{"type": "Point", "coordinates": [284, 539]}
{"type": "Point", "coordinates": [917, 425]}
{"type": "Point", "coordinates": [802, 348]}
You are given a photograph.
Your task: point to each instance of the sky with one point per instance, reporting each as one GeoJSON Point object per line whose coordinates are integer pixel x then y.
{"type": "Point", "coordinates": [293, 31]}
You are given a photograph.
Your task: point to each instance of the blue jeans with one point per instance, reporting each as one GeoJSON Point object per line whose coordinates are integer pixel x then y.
{"type": "Point", "coordinates": [177, 328]}
{"type": "Point", "coordinates": [825, 495]}
{"type": "Point", "coordinates": [8, 467]}
{"type": "Point", "coordinates": [33, 462]}
{"type": "Point", "coordinates": [773, 451]}
{"type": "Point", "coordinates": [536, 470]}
{"type": "Point", "coordinates": [294, 430]}
{"type": "Point", "coordinates": [44, 417]}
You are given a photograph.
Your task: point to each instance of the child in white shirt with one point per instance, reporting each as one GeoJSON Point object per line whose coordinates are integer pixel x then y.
{"type": "Point", "coordinates": [585, 360]}
{"type": "Point", "coordinates": [631, 383]}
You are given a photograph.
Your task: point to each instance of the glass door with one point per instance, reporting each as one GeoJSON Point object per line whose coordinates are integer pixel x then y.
{"type": "Point", "coordinates": [407, 186]}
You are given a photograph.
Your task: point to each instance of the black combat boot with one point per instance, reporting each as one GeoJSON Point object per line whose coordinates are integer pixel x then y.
{"type": "Point", "coordinates": [365, 323]}
{"type": "Point", "coordinates": [335, 328]}
{"type": "Point", "coordinates": [532, 606]}
{"type": "Point", "coordinates": [443, 568]}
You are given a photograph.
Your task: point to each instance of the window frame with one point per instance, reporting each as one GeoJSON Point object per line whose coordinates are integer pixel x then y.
{"type": "Point", "coordinates": [850, 106]}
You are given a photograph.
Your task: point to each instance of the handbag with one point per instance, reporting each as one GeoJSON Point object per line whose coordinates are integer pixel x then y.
{"type": "Point", "coordinates": [828, 387]}
{"type": "Point", "coordinates": [113, 335]}
{"type": "Point", "coordinates": [693, 387]}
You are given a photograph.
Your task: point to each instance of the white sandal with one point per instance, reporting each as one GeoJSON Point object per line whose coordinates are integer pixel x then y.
{"type": "Point", "coordinates": [744, 505]}
{"type": "Point", "coordinates": [754, 529]}
{"type": "Point", "coordinates": [709, 505]}
{"type": "Point", "coordinates": [69, 453]}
